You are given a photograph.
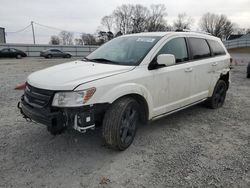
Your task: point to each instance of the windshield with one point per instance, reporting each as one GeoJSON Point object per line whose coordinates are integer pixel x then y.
{"type": "Point", "coordinates": [128, 50]}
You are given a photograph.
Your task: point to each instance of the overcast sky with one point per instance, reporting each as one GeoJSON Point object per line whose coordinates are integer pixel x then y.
{"type": "Point", "coordinates": [85, 15]}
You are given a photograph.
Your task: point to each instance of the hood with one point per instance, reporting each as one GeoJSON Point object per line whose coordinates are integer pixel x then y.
{"type": "Point", "coordinates": [67, 76]}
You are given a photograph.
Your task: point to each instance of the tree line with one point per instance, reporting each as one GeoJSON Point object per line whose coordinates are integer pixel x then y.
{"type": "Point", "coordinates": [127, 19]}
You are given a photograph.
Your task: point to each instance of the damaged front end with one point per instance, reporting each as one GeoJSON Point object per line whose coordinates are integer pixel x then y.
{"type": "Point", "coordinates": [36, 105]}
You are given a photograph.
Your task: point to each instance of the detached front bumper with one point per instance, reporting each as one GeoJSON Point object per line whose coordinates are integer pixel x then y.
{"type": "Point", "coordinates": [79, 118]}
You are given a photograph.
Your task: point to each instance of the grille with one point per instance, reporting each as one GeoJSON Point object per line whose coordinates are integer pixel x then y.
{"type": "Point", "coordinates": [36, 97]}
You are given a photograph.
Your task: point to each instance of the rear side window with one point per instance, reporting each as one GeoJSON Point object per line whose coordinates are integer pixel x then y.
{"type": "Point", "coordinates": [199, 48]}
{"type": "Point", "coordinates": [216, 48]}
{"type": "Point", "coordinates": [177, 47]}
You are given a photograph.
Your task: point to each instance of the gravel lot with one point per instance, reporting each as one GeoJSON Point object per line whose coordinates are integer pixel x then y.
{"type": "Point", "coordinates": [196, 147]}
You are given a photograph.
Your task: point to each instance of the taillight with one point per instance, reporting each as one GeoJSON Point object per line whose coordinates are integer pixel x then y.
{"type": "Point", "coordinates": [21, 86]}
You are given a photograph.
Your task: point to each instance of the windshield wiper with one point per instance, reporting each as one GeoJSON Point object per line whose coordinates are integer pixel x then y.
{"type": "Point", "coordinates": [85, 59]}
{"type": "Point", "coordinates": [103, 60]}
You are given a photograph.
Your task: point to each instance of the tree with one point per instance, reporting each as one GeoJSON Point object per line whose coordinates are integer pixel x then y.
{"type": "Point", "coordinates": [156, 20]}
{"type": "Point", "coordinates": [54, 40]}
{"type": "Point", "coordinates": [218, 25]}
{"type": "Point", "coordinates": [66, 37]}
{"type": "Point", "coordinates": [183, 22]}
{"type": "Point", "coordinates": [107, 22]}
{"type": "Point", "coordinates": [79, 42]}
{"type": "Point", "coordinates": [88, 39]}
{"type": "Point", "coordinates": [139, 16]}
{"type": "Point", "coordinates": [123, 19]}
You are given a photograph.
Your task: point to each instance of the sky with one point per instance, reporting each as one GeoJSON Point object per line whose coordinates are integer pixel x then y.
{"type": "Point", "coordinates": [85, 15]}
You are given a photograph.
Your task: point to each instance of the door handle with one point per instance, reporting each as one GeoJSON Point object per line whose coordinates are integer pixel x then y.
{"type": "Point", "coordinates": [190, 69]}
{"type": "Point", "coordinates": [215, 64]}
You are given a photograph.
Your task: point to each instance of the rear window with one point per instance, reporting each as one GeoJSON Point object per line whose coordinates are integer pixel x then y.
{"type": "Point", "coordinates": [216, 48]}
{"type": "Point", "coordinates": [199, 48]}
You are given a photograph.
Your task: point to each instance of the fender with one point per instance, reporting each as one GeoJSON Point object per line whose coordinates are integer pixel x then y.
{"type": "Point", "coordinates": [127, 89]}
{"type": "Point", "coordinates": [216, 78]}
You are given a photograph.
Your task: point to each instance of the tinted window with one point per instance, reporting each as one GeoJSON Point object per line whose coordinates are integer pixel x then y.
{"type": "Point", "coordinates": [13, 50]}
{"type": "Point", "coordinates": [5, 50]}
{"type": "Point", "coordinates": [199, 47]}
{"type": "Point", "coordinates": [177, 47]}
{"type": "Point", "coordinates": [55, 50]}
{"type": "Point", "coordinates": [216, 48]}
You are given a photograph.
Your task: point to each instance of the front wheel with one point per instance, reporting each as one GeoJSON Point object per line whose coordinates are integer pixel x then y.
{"type": "Point", "coordinates": [120, 123]}
{"type": "Point", "coordinates": [219, 95]}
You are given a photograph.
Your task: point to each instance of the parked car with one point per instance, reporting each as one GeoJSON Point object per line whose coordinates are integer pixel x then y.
{"type": "Point", "coordinates": [248, 70]}
{"type": "Point", "coordinates": [128, 81]}
{"type": "Point", "coordinates": [54, 53]}
{"type": "Point", "coordinates": [12, 53]}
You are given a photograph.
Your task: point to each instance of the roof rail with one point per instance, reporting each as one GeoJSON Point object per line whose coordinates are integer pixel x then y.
{"type": "Point", "coordinates": [187, 30]}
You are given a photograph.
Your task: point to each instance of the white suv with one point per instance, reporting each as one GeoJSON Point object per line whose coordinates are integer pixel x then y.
{"type": "Point", "coordinates": [127, 81]}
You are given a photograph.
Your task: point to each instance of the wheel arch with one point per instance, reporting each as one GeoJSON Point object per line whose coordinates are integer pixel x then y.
{"type": "Point", "coordinates": [138, 92]}
{"type": "Point", "coordinates": [143, 105]}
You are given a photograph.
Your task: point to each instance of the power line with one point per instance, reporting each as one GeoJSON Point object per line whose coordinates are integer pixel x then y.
{"type": "Point", "coordinates": [18, 31]}
{"type": "Point", "coordinates": [55, 28]}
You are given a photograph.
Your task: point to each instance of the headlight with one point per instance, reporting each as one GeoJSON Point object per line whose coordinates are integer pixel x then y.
{"type": "Point", "coordinates": [72, 99]}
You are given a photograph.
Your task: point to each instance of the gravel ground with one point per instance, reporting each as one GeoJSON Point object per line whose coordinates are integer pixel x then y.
{"type": "Point", "coordinates": [196, 147]}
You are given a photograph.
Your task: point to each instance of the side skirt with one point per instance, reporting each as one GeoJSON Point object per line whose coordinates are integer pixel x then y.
{"type": "Point", "coordinates": [178, 109]}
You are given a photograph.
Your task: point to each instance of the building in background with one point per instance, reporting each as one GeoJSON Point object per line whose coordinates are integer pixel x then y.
{"type": "Point", "coordinates": [2, 35]}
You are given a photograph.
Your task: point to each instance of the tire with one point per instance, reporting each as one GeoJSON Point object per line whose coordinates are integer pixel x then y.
{"type": "Point", "coordinates": [56, 129]}
{"type": "Point", "coordinates": [120, 123]}
{"type": "Point", "coordinates": [19, 56]}
{"type": "Point", "coordinates": [49, 56]}
{"type": "Point", "coordinates": [219, 95]}
{"type": "Point", "coordinates": [248, 75]}
{"type": "Point", "coordinates": [68, 56]}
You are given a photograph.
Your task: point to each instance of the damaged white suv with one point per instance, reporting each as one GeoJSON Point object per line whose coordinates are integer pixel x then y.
{"type": "Point", "coordinates": [127, 81]}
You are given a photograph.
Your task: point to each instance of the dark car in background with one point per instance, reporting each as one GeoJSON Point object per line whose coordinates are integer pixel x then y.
{"type": "Point", "coordinates": [248, 70]}
{"type": "Point", "coordinates": [49, 53]}
{"type": "Point", "coordinates": [12, 53]}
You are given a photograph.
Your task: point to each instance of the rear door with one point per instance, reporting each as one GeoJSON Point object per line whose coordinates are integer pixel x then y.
{"type": "Point", "coordinates": [201, 65]}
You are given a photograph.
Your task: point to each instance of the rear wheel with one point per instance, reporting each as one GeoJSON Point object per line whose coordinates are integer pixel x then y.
{"type": "Point", "coordinates": [68, 56]}
{"type": "Point", "coordinates": [19, 56]}
{"type": "Point", "coordinates": [219, 95]}
{"type": "Point", "coordinates": [120, 123]}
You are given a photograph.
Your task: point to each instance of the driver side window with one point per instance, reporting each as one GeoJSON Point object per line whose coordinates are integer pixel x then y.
{"type": "Point", "coordinates": [177, 47]}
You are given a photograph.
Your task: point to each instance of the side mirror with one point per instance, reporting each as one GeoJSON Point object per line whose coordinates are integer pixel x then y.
{"type": "Point", "coordinates": [166, 59]}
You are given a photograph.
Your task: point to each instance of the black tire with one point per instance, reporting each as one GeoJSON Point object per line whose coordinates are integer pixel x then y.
{"type": "Point", "coordinates": [68, 56]}
{"type": "Point", "coordinates": [120, 123]}
{"type": "Point", "coordinates": [56, 129]}
{"type": "Point", "coordinates": [18, 56]}
{"type": "Point", "coordinates": [49, 56]}
{"type": "Point", "coordinates": [219, 95]}
{"type": "Point", "coordinates": [248, 75]}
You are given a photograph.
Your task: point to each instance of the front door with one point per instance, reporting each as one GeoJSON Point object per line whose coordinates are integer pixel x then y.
{"type": "Point", "coordinates": [173, 84]}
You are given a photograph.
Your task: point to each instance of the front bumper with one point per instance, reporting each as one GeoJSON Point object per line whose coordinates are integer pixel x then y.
{"type": "Point", "coordinates": [79, 118]}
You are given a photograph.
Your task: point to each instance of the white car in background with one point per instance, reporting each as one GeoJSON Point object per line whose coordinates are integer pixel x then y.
{"type": "Point", "coordinates": [129, 80]}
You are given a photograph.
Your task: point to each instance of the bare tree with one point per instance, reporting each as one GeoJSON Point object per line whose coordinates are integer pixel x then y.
{"type": "Point", "coordinates": [88, 39]}
{"type": "Point", "coordinates": [79, 42]}
{"type": "Point", "coordinates": [217, 25]}
{"type": "Point", "coordinates": [54, 40]}
{"type": "Point", "coordinates": [183, 21]}
{"type": "Point", "coordinates": [107, 22]}
{"type": "Point", "coordinates": [156, 21]}
{"type": "Point", "coordinates": [139, 16]}
{"type": "Point", "coordinates": [123, 19]}
{"type": "Point", "coordinates": [66, 37]}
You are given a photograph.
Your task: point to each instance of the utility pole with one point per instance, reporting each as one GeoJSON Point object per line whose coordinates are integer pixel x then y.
{"type": "Point", "coordinates": [33, 32]}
